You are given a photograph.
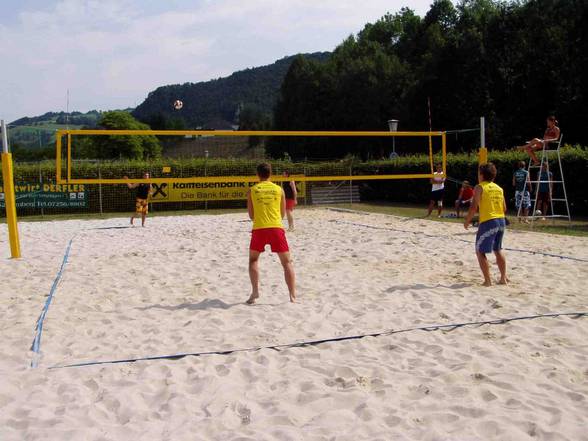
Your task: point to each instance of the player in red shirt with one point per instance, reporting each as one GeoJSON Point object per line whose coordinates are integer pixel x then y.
{"type": "Point", "coordinates": [465, 197]}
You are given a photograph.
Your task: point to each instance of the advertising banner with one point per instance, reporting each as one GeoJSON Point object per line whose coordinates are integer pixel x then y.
{"type": "Point", "coordinates": [48, 196]}
{"type": "Point", "coordinates": [206, 191]}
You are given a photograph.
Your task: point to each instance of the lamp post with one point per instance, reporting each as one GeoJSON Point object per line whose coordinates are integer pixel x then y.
{"type": "Point", "coordinates": [393, 127]}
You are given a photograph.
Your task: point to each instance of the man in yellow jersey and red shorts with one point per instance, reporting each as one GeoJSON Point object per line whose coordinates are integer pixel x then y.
{"type": "Point", "coordinates": [489, 198]}
{"type": "Point", "coordinates": [266, 205]}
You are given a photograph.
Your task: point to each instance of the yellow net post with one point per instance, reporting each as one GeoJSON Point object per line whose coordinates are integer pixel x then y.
{"type": "Point", "coordinates": [9, 196]}
{"type": "Point", "coordinates": [483, 155]}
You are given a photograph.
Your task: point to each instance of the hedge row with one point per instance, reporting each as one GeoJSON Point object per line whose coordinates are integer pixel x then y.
{"type": "Point", "coordinates": [459, 167]}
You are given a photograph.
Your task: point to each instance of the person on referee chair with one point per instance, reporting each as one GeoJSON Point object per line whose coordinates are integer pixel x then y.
{"type": "Point", "coordinates": [551, 134]}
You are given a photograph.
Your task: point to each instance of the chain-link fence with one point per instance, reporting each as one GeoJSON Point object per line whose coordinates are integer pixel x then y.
{"type": "Point", "coordinates": [37, 193]}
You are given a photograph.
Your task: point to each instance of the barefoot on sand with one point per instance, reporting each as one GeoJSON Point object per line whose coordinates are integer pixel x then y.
{"type": "Point", "coordinates": [252, 299]}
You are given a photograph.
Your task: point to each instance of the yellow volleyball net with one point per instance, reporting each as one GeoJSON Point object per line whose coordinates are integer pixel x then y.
{"type": "Point", "coordinates": [222, 154]}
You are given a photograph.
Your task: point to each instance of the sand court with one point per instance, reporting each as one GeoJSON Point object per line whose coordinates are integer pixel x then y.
{"type": "Point", "coordinates": [179, 286]}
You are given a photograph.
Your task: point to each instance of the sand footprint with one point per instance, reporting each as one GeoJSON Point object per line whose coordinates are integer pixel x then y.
{"type": "Point", "coordinates": [363, 413]}
{"type": "Point", "coordinates": [392, 420]}
{"type": "Point", "coordinates": [468, 412]}
{"type": "Point", "coordinates": [488, 396]}
{"type": "Point", "coordinates": [488, 429]}
{"type": "Point", "coordinates": [222, 370]}
{"type": "Point", "coordinates": [244, 413]}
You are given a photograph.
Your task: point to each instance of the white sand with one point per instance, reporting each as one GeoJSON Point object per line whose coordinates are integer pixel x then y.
{"type": "Point", "coordinates": [179, 286]}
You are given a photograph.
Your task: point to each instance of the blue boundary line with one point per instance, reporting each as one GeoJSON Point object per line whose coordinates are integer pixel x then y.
{"type": "Point", "coordinates": [430, 328]}
{"type": "Point", "coordinates": [36, 346]}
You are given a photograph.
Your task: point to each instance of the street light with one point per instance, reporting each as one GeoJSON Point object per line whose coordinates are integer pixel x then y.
{"type": "Point", "coordinates": [393, 127]}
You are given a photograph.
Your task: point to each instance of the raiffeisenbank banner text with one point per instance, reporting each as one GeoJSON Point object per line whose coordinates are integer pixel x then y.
{"type": "Point", "coordinates": [206, 191]}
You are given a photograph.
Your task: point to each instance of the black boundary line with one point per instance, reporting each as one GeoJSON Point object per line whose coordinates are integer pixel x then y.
{"type": "Point", "coordinates": [438, 236]}
{"type": "Point", "coordinates": [430, 328]}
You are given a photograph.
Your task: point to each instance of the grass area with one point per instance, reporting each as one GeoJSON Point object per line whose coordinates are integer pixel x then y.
{"type": "Point", "coordinates": [578, 227]}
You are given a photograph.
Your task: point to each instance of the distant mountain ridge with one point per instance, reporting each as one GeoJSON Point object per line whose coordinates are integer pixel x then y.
{"type": "Point", "coordinates": [38, 132]}
{"type": "Point", "coordinates": [73, 118]}
{"type": "Point", "coordinates": [216, 104]}
{"type": "Point", "coordinates": [213, 104]}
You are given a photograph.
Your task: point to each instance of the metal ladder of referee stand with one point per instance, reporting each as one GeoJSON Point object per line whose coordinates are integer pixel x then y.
{"type": "Point", "coordinates": [537, 182]}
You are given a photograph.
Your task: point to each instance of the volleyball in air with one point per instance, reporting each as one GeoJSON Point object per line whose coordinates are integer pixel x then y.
{"type": "Point", "coordinates": [178, 104]}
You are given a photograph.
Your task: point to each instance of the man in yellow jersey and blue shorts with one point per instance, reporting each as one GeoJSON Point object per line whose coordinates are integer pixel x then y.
{"type": "Point", "coordinates": [266, 205]}
{"type": "Point", "coordinates": [489, 198]}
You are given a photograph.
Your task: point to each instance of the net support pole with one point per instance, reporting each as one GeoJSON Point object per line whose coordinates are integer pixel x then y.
{"type": "Point", "coordinates": [351, 184]}
{"type": "Point", "coordinates": [432, 166]}
{"type": "Point", "coordinates": [205, 174]}
{"type": "Point", "coordinates": [58, 158]}
{"type": "Point", "coordinates": [41, 187]}
{"type": "Point", "coordinates": [304, 183]}
{"type": "Point", "coordinates": [483, 154]}
{"type": "Point", "coordinates": [444, 153]}
{"type": "Point", "coordinates": [9, 196]}
{"type": "Point", "coordinates": [100, 188]}
{"type": "Point", "coordinates": [69, 157]}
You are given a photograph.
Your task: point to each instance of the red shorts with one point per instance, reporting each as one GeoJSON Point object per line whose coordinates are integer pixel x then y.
{"type": "Point", "coordinates": [290, 204]}
{"type": "Point", "coordinates": [275, 237]}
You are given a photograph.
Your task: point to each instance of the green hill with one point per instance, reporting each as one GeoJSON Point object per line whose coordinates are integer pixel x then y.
{"type": "Point", "coordinates": [216, 104]}
{"type": "Point", "coordinates": [59, 118]}
{"type": "Point", "coordinates": [39, 131]}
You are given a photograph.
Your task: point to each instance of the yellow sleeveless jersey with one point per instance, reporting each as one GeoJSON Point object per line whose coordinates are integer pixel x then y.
{"type": "Point", "coordinates": [267, 199]}
{"type": "Point", "coordinates": [491, 201]}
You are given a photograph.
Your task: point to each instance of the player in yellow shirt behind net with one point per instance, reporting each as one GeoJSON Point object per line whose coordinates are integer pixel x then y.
{"type": "Point", "coordinates": [266, 205]}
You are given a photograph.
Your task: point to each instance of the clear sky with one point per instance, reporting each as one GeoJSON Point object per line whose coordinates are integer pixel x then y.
{"type": "Point", "coordinates": [112, 53]}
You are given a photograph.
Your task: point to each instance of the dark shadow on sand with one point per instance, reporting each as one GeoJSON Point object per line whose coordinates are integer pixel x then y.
{"type": "Point", "coordinates": [422, 286]}
{"type": "Point", "coordinates": [201, 306]}
{"type": "Point", "coordinates": [110, 228]}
